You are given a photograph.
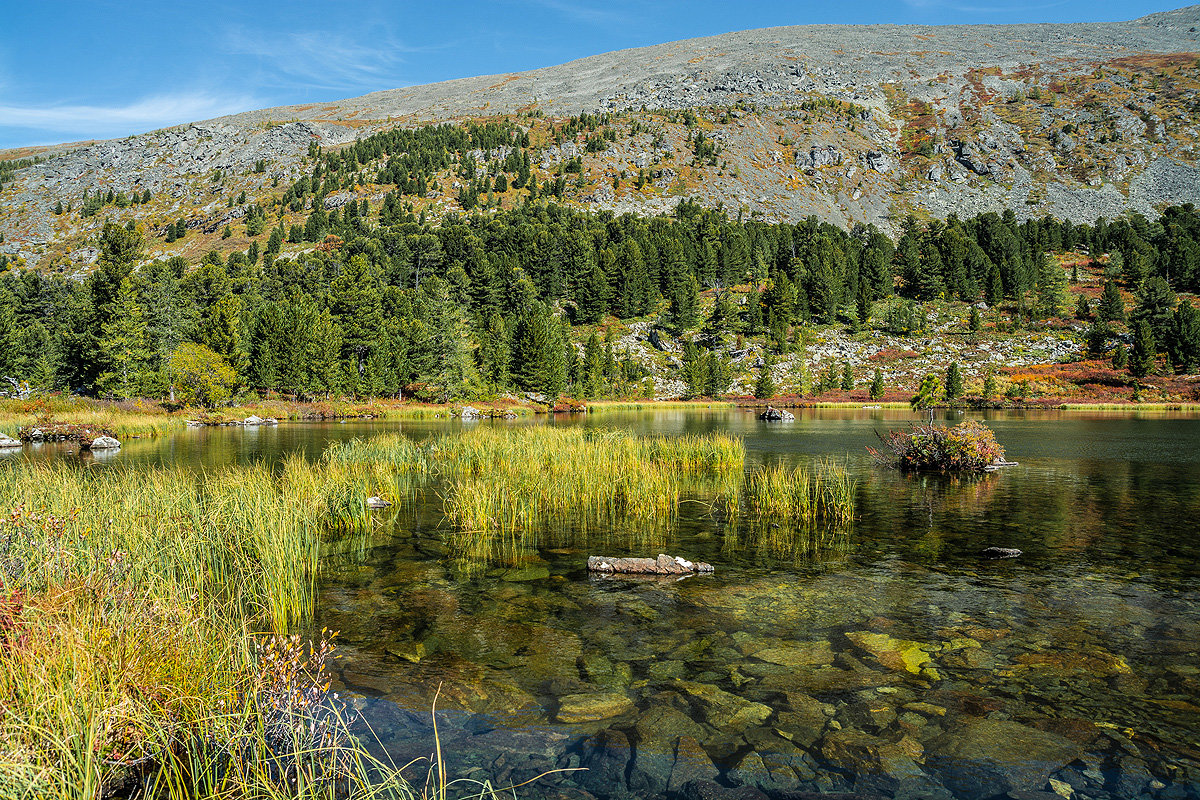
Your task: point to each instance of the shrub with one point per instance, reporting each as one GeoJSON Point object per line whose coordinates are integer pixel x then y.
{"type": "Point", "coordinates": [968, 447]}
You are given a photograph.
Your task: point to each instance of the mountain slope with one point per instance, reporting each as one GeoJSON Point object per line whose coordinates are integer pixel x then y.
{"type": "Point", "coordinates": [848, 123]}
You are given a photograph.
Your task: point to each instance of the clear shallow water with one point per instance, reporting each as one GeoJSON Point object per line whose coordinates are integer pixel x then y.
{"type": "Point", "coordinates": [894, 662]}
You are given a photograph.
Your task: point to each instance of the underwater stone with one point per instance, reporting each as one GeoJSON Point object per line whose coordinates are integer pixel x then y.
{"type": "Point", "coordinates": [895, 654]}
{"type": "Point", "coordinates": [987, 757]}
{"type": "Point", "coordinates": [591, 707]}
{"type": "Point", "coordinates": [720, 708]}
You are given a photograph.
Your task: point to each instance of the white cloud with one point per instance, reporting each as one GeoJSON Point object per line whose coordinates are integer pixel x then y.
{"type": "Point", "coordinates": [582, 12]}
{"type": "Point", "coordinates": [146, 114]}
{"type": "Point", "coordinates": [322, 59]}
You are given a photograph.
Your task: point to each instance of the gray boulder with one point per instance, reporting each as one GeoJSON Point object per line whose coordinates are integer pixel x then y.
{"type": "Point", "coordinates": [103, 443]}
{"type": "Point", "coordinates": [7, 442]}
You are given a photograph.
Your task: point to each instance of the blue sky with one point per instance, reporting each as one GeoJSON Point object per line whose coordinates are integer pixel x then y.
{"type": "Point", "coordinates": [82, 69]}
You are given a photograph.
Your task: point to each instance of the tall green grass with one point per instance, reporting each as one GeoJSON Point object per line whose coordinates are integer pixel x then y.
{"type": "Point", "coordinates": [822, 494]}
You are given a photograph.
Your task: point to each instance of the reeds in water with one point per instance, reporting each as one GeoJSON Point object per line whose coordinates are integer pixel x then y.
{"type": "Point", "coordinates": [516, 480]}
{"type": "Point", "coordinates": [823, 494]}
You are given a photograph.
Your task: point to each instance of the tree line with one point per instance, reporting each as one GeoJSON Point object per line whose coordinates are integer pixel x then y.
{"type": "Point", "coordinates": [388, 302]}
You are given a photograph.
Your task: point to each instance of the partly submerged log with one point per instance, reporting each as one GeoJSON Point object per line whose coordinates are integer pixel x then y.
{"type": "Point", "coordinates": [1000, 552]}
{"type": "Point", "coordinates": [663, 565]}
{"type": "Point", "coordinates": [995, 465]}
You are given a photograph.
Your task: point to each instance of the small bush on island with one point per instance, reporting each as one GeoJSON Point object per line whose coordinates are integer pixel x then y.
{"type": "Point", "coordinates": [970, 446]}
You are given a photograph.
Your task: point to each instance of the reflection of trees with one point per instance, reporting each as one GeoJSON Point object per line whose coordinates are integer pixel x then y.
{"type": "Point", "coordinates": [1120, 514]}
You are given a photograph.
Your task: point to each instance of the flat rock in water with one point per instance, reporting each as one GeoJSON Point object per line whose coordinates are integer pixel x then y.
{"type": "Point", "coordinates": [663, 565]}
{"type": "Point", "coordinates": [777, 415]}
{"type": "Point", "coordinates": [103, 443]}
{"type": "Point", "coordinates": [377, 502]}
{"type": "Point", "coordinates": [590, 707]}
{"type": "Point", "coordinates": [7, 442]}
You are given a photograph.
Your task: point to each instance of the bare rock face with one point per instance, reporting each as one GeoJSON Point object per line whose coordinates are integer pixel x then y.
{"type": "Point", "coordinates": [1124, 150]}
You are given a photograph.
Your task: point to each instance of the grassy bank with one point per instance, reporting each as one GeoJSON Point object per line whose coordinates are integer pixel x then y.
{"type": "Point", "coordinates": [145, 612]}
{"type": "Point", "coordinates": [132, 615]}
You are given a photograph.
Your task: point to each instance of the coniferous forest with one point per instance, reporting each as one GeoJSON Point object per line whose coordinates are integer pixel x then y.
{"type": "Point", "coordinates": [384, 302]}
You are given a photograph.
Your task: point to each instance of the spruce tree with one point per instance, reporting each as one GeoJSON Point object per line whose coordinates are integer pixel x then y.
{"type": "Point", "coordinates": [847, 384]}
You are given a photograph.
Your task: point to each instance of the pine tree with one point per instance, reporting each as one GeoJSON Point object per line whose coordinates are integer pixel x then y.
{"type": "Point", "coordinates": [494, 352]}
{"type": "Point", "coordinates": [1082, 309]}
{"type": "Point", "coordinates": [1097, 338]}
{"type": "Point", "coordinates": [847, 384]}
{"type": "Point", "coordinates": [764, 386]}
{"type": "Point", "coordinates": [1051, 287]}
{"type": "Point", "coordinates": [1110, 308]}
{"type": "Point", "coordinates": [324, 354]}
{"type": "Point", "coordinates": [1120, 357]}
{"type": "Point", "coordinates": [974, 323]}
{"type": "Point", "coordinates": [1141, 361]}
{"type": "Point", "coordinates": [989, 387]}
{"type": "Point", "coordinates": [954, 382]}
{"type": "Point", "coordinates": [124, 350]}
{"type": "Point", "coordinates": [926, 394]}
{"type": "Point", "coordinates": [1184, 343]}
{"type": "Point", "coordinates": [877, 385]}
{"type": "Point", "coordinates": [355, 303]}
{"type": "Point", "coordinates": [1156, 302]}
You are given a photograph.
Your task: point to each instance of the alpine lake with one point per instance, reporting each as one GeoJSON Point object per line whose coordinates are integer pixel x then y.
{"type": "Point", "coordinates": [887, 660]}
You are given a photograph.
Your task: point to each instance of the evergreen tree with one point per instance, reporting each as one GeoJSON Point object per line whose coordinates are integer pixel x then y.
{"type": "Point", "coordinates": [1184, 343]}
{"type": "Point", "coordinates": [1051, 287]}
{"type": "Point", "coordinates": [324, 355]}
{"type": "Point", "coordinates": [1156, 302]}
{"type": "Point", "coordinates": [494, 352]}
{"type": "Point", "coordinates": [1141, 361]}
{"type": "Point", "coordinates": [1097, 338]}
{"type": "Point", "coordinates": [355, 303]}
{"type": "Point", "coordinates": [974, 323]}
{"type": "Point", "coordinates": [1110, 308]}
{"type": "Point", "coordinates": [764, 386]}
{"type": "Point", "coordinates": [989, 387]}
{"type": "Point", "coordinates": [125, 354]}
{"type": "Point", "coordinates": [877, 385]}
{"type": "Point", "coordinates": [954, 382]}
{"type": "Point", "coordinates": [847, 378]}
{"type": "Point", "coordinates": [1082, 309]}
{"type": "Point", "coordinates": [926, 394]}
{"type": "Point", "coordinates": [1120, 357]}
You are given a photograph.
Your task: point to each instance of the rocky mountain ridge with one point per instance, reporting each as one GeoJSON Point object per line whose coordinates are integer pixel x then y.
{"type": "Point", "coordinates": [848, 123]}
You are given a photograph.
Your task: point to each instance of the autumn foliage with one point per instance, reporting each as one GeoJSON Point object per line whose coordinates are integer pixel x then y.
{"type": "Point", "coordinates": [968, 447]}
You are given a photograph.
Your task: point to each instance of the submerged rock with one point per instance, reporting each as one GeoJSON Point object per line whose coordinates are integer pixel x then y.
{"type": "Point", "coordinates": [591, 707]}
{"type": "Point", "coordinates": [377, 502]}
{"type": "Point", "coordinates": [720, 708]}
{"type": "Point", "coordinates": [895, 654]}
{"type": "Point", "coordinates": [988, 757]}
